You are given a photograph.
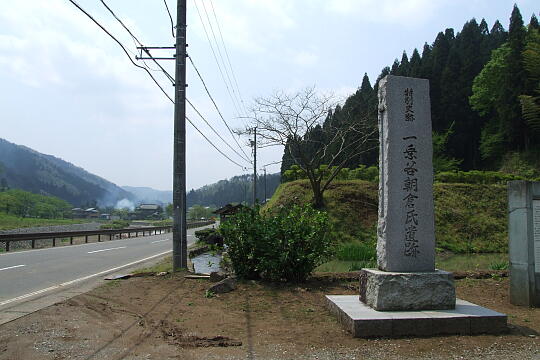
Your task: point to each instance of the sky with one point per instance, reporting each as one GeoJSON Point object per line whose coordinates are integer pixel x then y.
{"type": "Point", "coordinates": [68, 90]}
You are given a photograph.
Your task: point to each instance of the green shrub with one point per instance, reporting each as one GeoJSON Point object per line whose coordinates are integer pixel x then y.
{"type": "Point", "coordinates": [288, 245]}
{"type": "Point", "coordinates": [209, 236]}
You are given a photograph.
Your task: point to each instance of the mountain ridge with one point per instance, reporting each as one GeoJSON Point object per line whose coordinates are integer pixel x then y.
{"type": "Point", "coordinates": [27, 169]}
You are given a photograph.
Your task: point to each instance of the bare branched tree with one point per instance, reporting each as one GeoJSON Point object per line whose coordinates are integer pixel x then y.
{"type": "Point", "coordinates": [301, 122]}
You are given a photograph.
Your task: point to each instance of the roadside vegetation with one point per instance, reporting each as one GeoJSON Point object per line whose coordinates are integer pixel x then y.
{"type": "Point", "coordinates": [285, 245]}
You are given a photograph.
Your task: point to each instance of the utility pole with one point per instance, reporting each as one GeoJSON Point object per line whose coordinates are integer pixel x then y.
{"type": "Point", "coordinates": [179, 158]}
{"type": "Point", "coordinates": [265, 197]}
{"type": "Point", "coordinates": [254, 144]}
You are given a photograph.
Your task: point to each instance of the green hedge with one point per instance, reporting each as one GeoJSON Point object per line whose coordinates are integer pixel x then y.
{"type": "Point", "coordinates": [371, 174]}
{"type": "Point", "coordinates": [478, 177]}
{"type": "Point", "coordinates": [360, 173]}
{"type": "Point", "coordinates": [286, 246]}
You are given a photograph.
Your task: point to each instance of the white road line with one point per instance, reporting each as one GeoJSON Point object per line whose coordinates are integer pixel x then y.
{"type": "Point", "coordinates": [96, 251]}
{"type": "Point", "coordinates": [12, 267]}
{"type": "Point", "coordinates": [157, 241]}
{"type": "Point", "coordinates": [22, 297]}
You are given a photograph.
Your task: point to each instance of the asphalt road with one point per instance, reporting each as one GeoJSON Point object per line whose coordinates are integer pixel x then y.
{"type": "Point", "coordinates": [27, 274]}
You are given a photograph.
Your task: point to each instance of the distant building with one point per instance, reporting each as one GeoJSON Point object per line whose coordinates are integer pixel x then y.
{"type": "Point", "coordinates": [227, 211]}
{"type": "Point", "coordinates": [77, 213]}
{"type": "Point", "coordinates": [147, 211]}
{"type": "Point", "coordinates": [90, 213]}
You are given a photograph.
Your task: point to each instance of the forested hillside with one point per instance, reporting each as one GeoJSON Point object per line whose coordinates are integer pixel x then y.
{"type": "Point", "coordinates": [480, 77]}
{"type": "Point", "coordinates": [29, 170]}
{"type": "Point", "coordinates": [237, 189]}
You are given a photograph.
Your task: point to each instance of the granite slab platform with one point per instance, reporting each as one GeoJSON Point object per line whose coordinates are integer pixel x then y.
{"type": "Point", "coordinates": [466, 319]}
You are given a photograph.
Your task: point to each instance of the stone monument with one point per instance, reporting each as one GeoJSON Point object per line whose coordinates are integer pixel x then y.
{"type": "Point", "coordinates": [406, 295]}
{"type": "Point", "coordinates": [406, 279]}
{"type": "Point", "coordinates": [524, 242]}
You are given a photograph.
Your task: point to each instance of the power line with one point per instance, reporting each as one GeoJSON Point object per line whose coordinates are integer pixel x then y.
{"type": "Point", "coordinates": [221, 55]}
{"type": "Point", "coordinates": [215, 58]}
{"type": "Point", "coordinates": [122, 46]}
{"type": "Point", "coordinates": [170, 17]}
{"type": "Point", "coordinates": [272, 163]}
{"type": "Point", "coordinates": [214, 130]}
{"type": "Point", "coordinates": [227, 55]}
{"type": "Point", "coordinates": [138, 41]}
{"type": "Point", "coordinates": [211, 143]}
{"type": "Point", "coordinates": [215, 105]}
{"type": "Point", "coordinates": [145, 69]}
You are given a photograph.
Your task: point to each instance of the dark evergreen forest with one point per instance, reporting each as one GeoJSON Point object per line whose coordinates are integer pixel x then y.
{"type": "Point", "coordinates": [480, 79]}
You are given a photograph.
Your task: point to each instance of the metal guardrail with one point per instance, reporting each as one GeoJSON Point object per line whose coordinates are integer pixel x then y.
{"type": "Point", "coordinates": [145, 231]}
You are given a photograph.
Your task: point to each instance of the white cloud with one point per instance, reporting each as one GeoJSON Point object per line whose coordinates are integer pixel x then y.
{"type": "Point", "coordinates": [249, 25]}
{"type": "Point", "coordinates": [405, 12]}
{"type": "Point", "coordinates": [305, 58]}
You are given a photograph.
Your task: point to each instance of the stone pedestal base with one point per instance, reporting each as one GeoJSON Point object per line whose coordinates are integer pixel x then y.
{"type": "Point", "coordinates": [466, 319]}
{"type": "Point", "coordinates": [394, 291]}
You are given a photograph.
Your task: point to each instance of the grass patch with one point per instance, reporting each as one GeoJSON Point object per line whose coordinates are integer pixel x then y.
{"type": "Point", "coordinates": [356, 251]}
{"type": "Point", "coordinates": [468, 218]}
{"type": "Point", "coordinates": [499, 265]}
{"type": "Point", "coordinates": [167, 222]}
{"type": "Point", "coordinates": [470, 262]}
{"type": "Point", "coordinates": [9, 222]}
{"type": "Point", "coordinates": [164, 265]}
{"type": "Point", "coordinates": [345, 266]}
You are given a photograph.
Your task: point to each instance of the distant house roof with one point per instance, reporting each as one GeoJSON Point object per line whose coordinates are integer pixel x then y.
{"type": "Point", "coordinates": [148, 207]}
{"type": "Point", "coordinates": [93, 210]}
{"type": "Point", "coordinates": [77, 209]}
{"type": "Point", "coordinates": [229, 209]}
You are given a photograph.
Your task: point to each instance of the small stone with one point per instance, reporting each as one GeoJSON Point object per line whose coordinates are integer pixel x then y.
{"type": "Point", "coordinates": [216, 276]}
{"type": "Point", "coordinates": [224, 286]}
{"type": "Point", "coordinates": [163, 273]}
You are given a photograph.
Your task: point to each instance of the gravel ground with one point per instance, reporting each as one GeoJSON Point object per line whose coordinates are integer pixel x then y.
{"type": "Point", "coordinates": [170, 317]}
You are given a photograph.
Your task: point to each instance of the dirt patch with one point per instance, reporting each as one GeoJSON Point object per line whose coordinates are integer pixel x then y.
{"type": "Point", "coordinates": [174, 335]}
{"type": "Point", "coordinates": [169, 317]}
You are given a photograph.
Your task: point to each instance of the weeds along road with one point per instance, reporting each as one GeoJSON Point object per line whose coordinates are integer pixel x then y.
{"type": "Point", "coordinates": [33, 279]}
